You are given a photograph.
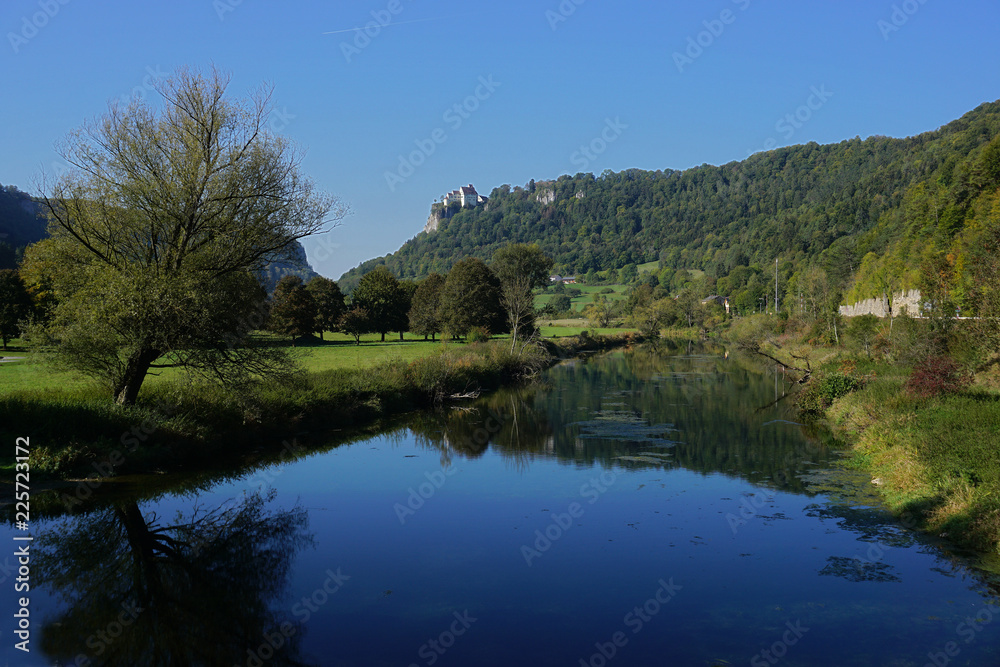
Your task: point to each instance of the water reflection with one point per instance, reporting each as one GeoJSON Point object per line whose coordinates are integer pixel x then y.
{"type": "Point", "coordinates": [641, 407]}
{"type": "Point", "coordinates": [196, 590]}
{"type": "Point", "coordinates": [705, 481]}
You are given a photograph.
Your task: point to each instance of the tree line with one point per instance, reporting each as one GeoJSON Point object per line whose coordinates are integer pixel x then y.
{"type": "Point", "coordinates": [473, 298]}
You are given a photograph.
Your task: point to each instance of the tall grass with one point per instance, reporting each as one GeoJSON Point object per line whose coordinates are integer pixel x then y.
{"type": "Point", "coordinates": [183, 424]}
{"type": "Point", "coordinates": [936, 459]}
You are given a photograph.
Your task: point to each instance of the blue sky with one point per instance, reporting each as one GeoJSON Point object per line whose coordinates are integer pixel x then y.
{"type": "Point", "coordinates": [542, 88]}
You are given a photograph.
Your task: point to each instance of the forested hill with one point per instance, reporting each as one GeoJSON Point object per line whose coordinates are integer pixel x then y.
{"type": "Point", "coordinates": [805, 205]}
{"type": "Point", "coordinates": [21, 224]}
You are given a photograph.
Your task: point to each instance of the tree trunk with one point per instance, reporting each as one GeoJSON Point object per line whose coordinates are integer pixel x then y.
{"type": "Point", "coordinates": [126, 390]}
{"type": "Point", "coordinates": [400, 335]}
{"type": "Point", "coordinates": [321, 334]}
{"type": "Point", "coordinates": [383, 336]}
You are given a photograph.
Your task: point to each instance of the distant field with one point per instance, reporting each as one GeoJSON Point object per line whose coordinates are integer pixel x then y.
{"type": "Point", "coordinates": [581, 302]}
{"type": "Point", "coordinates": [561, 328]}
{"type": "Point", "coordinates": [339, 351]}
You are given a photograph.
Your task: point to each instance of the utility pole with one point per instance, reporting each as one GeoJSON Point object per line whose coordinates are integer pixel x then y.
{"type": "Point", "coordinates": [775, 286]}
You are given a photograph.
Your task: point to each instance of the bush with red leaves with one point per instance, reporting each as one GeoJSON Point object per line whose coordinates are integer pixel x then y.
{"type": "Point", "coordinates": [937, 375]}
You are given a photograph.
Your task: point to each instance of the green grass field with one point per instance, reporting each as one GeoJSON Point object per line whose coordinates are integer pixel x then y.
{"type": "Point", "coordinates": [35, 375]}
{"type": "Point", "coordinates": [582, 301]}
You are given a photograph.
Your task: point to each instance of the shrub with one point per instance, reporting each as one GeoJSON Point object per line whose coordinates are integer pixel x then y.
{"type": "Point", "coordinates": [824, 389]}
{"type": "Point", "coordinates": [936, 375]}
{"type": "Point", "coordinates": [479, 335]}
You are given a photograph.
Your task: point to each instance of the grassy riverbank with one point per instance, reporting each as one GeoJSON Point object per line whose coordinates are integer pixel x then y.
{"type": "Point", "coordinates": [76, 431]}
{"type": "Point", "coordinates": [912, 415]}
{"type": "Point", "coordinates": [936, 460]}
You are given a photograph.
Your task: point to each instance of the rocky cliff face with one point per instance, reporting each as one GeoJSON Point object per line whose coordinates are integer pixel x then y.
{"type": "Point", "coordinates": [908, 302]}
{"type": "Point", "coordinates": [438, 213]}
{"type": "Point", "coordinates": [296, 264]}
{"type": "Point", "coordinates": [546, 197]}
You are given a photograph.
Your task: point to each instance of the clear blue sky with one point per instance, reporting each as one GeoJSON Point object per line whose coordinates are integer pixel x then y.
{"type": "Point", "coordinates": [599, 73]}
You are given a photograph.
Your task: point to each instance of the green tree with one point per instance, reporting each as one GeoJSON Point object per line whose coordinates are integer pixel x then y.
{"type": "Point", "coordinates": [690, 306]}
{"type": "Point", "coordinates": [15, 304]}
{"type": "Point", "coordinates": [862, 331]}
{"type": "Point", "coordinates": [380, 294]}
{"type": "Point", "coordinates": [520, 268]}
{"type": "Point", "coordinates": [629, 273]}
{"type": "Point", "coordinates": [329, 300]}
{"type": "Point", "coordinates": [354, 323]}
{"type": "Point", "coordinates": [156, 230]}
{"type": "Point", "coordinates": [560, 303]}
{"type": "Point", "coordinates": [471, 298]}
{"type": "Point", "coordinates": [293, 309]}
{"type": "Point", "coordinates": [424, 306]}
{"type": "Point", "coordinates": [650, 318]}
{"type": "Point", "coordinates": [600, 312]}
{"type": "Point", "coordinates": [407, 288]}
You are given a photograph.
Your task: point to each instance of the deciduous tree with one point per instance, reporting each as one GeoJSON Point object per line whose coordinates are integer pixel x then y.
{"type": "Point", "coordinates": [471, 298]}
{"type": "Point", "coordinates": [424, 306]}
{"type": "Point", "coordinates": [520, 268]}
{"type": "Point", "coordinates": [293, 309]}
{"type": "Point", "coordinates": [355, 323]}
{"type": "Point", "coordinates": [380, 294]}
{"type": "Point", "coordinates": [156, 228]}
{"type": "Point", "coordinates": [330, 306]}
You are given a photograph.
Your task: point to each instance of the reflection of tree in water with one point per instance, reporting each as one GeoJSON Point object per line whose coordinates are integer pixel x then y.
{"type": "Point", "coordinates": [623, 404]}
{"type": "Point", "coordinates": [858, 569]}
{"type": "Point", "coordinates": [874, 528]}
{"type": "Point", "coordinates": [873, 525]}
{"type": "Point", "coordinates": [196, 592]}
{"type": "Point", "coordinates": [508, 420]}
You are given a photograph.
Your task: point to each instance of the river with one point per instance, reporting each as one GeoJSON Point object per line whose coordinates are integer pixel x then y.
{"type": "Point", "coordinates": [642, 507]}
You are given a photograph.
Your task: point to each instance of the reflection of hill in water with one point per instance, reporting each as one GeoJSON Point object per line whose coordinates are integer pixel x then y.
{"type": "Point", "coordinates": [699, 411]}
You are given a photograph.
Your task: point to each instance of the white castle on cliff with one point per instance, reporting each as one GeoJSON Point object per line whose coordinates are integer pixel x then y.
{"type": "Point", "coordinates": [465, 196]}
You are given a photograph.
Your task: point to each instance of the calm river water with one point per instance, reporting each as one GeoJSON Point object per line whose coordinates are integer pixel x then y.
{"type": "Point", "coordinates": [636, 508]}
